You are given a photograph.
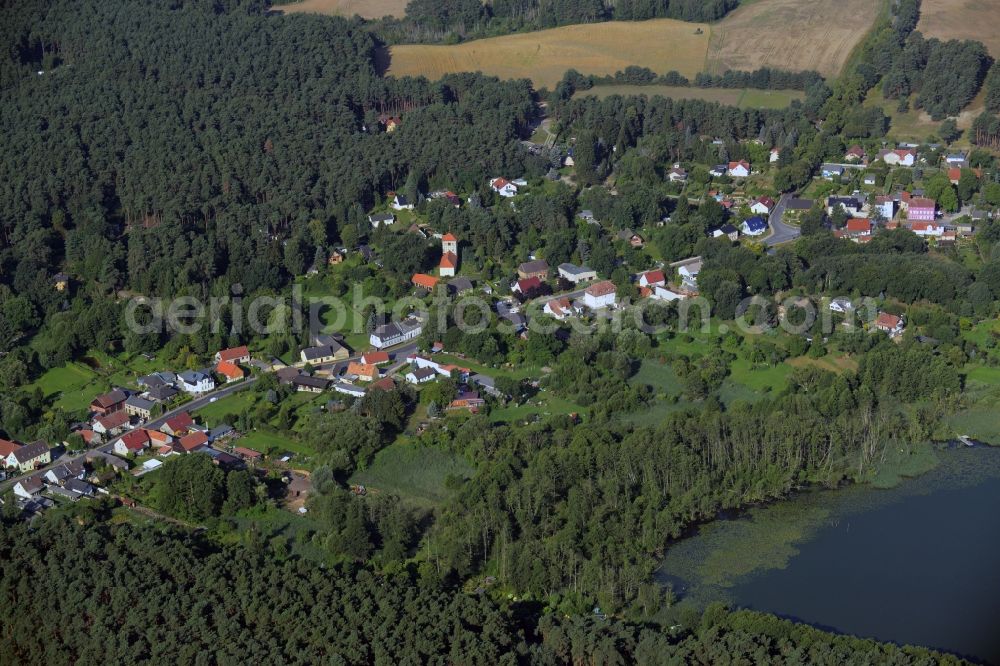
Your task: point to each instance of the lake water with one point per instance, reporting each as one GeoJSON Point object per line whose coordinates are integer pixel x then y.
{"type": "Point", "coordinates": [918, 564]}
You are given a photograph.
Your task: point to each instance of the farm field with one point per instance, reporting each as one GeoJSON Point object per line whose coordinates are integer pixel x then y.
{"type": "Point", "coordinates": [962, 19]}
{"type": "Point", "coordinates": [745, 98]}
{"type": "Point", "coordinates": [786, 34]}
{"type": "Point", "coordinates": [544, 56]}
{"type": "Point", "coordinates": [369, 9]}
{"type": "Point", "coordinates": [791, 35]}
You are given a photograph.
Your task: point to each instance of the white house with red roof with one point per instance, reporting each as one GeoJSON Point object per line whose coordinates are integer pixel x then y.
{"type": "Point", "coordinates": [132, 443]}
{"type": "Point", "coordinates": [558, 308]}
{"type": "Point", "coordinates": [927, 229]}
{"type": "Point", "coordinates": [739, 169]}
{"type": "Point", "coordinates": [375, 357]}
{"type": "Point", "coordinates": [889, 323]}
{"type": "Point", "coordinates": [236, 355]}
{"type": "Point", "coordinates": [503, 187]}
{"type": "Point", "coordinates": [600, 295]}
{"type": "Point", "coordinates": [651, 279]}
{"type": "Point", "coordinates": [899, 157]}
{"type": "Point", "coordinates": [762, 206]}
{"type": "Point", "coordinates": [111, 424]}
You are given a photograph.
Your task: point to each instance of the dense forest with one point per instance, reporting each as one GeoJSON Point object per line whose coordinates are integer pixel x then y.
{"type": "Point", "coordinates": [448, 20]}
{"type": "Point", "coordinates": [120, 594]}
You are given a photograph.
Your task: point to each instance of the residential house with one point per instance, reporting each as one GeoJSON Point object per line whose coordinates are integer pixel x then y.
{"type": "Point", "coordinates": [333, 341]}
{"type": "Point", "coordinates": [111, 424]}
{"type": "Point", "coordinates": [459, 285]}
{"type": "Point", "coordinates": [399, 202]}
{"type": "Point", "coordinates": [797, 207]}
{"type": "Point", "coordinates": [652, 279]}
{"type": "Point", "coordinates": [395, 333]}
{"type": "Point", "coordinates": [375, 358]}
{"type": "Point", "coordinates": [954, 175]}
{"type": "Point", "coordinates": [79, 487]}
{"type": "Point", "coordinates": [576, 274]}
{"type": "Point", "coordinates": [957, 159]}
{"type": "Point", "coordinates": [886, 206]}
{"type": "Point", "coordinates": [689, 274]}
{"type": "Point", "coordinates": [587, 216]}
{"type": "Point", "coordinates": [921, 209]}
{"type": "Point", "coordinates": [855, 154]}
{"type": "Point", "coordinates": [424, 281]}
{"type": "Point", "coordinates": [526, 285]}
{"type": "Point", "coordinates": [108, 403]}
{"type": "Point", "coordinates": [775, 155]}
{"type": "Point", "coordinates": [196, 381]}
{"type": "Point", "coordinates": [336, 257]}
{"type": "Point", "coordinates": [140, 407]}
{"type": "Point", "coordinates": [906, 157]}
{"type": "Point", "coordinates": [762, 206]}
{"type": "Point", "coordinates": [831, 171]}
{"type": "Point", "coordinates": [871, 179]}
{"type": "Point", "coordinates": [60, 281]}
{"type": "Point", "coordinates": [132, 443]}
{"type": "Point", "coordinates": [486, 383]}
{"type": "Point", "coordinates": [677, 174]}
{"type": "Point", "coordinates": [178, 425]}
{"type": "Point", "coordinates": [469, 400]}
{"type": "Point", "coordinates": [661, 293]}
{"type": "Point", "coordinates": [857, 226]}
{"type": "Point", "coordinates": [236, 355]}
{"type": "Point", "coordinates": [319, 355]}
{"type": "Point", "coordinates": [889, 323]}
{"type": "Point", "coordinates": [420, 375]}
{"type": "Point", "coordinates": [161, 394]}
{"type": "Point", "coordinates": [600, 295]}
{"type": "Point", "coordinates": [29, 487]}
{"type": "Point", "coordinates": [739, 169]}
{"type": "Point", "coordinates": [727, 230]}
{"type": "Point", "coordinates": [31, 456]}
{"type": "Point", "coordinates": [381, 219]}
{"type": "Point", "coordinates": [558, 308]}
{"type": "Point", "coordinates": [230, 371]}
{"type": "Point", "coordinates": [719, 170]}
{"type": "Point", "coordinates": [841, 305]}
{"type": "Point", "coordinates": [194, 441]}
{"type": "Point", "coordinates": [632, 238]}
{"type": "Point", "coordinates": [537, 268]}
{"type": "Point", "coordinates": [349, 389]}
{"type": "Point", "coordinates": [754, 226]}
{"type": "Point", "coordinates": [503, 187]}
{"type": "Point", "coordinates": [362, 371]}
{"type": "Point", "coordinates": [927, 229]}
{"type": "Point", "coordinates": [7, 449]}
{"type": "Point", "coordinates": [851, 205]}
{"type": "Point", "coordinates": [62, 473]}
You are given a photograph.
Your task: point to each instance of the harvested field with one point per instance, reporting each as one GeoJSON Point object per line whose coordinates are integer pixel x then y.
{"type": "Point", "coordinates": [544, 56]}
{"type": "Point", "coordinates": [791, 35]}
{"type": "Point", "coordinates": [369, 9]}
{"type": "Point", "coordinates": [745, 98]}
{"type": "Point", "coordinates": [962, 19]}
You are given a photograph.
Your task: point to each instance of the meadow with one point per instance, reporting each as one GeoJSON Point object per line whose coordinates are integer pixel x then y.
{"type": "Point", "coordinates": [745, 98]}
{"type": "Point", "coordinates": [416, 473]}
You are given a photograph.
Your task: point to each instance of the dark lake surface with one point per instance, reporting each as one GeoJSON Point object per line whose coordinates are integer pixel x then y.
{"type": "Point", "coordinates": [917, 564]}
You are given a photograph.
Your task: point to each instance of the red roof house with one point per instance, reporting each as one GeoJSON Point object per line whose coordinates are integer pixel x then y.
{"type": "Point", "coordinates": [235, 355]}
{"type": "Point", "coordinates": [423, 280]}
{"type": "Point", "coordinates": [230, 371]}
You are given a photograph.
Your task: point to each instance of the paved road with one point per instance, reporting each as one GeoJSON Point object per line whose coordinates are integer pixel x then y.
{"type": "Point", "coordinates": [780, 232]}
{"type": "Point", "coordinates": [200, 402]}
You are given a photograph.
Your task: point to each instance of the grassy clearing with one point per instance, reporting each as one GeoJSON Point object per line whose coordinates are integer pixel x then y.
{"type": "Point", "coordinates": [660, 376]}
{"type": "Point", "coordinates": [918, 125]}
{"type": "Point", "coordinates": [543, 404]}
{"type": "Point", "coordinates": [791, 35]}
{"type": "Point", "coordinates": [838, 364]}
{"type": "Point", "coordinates": [544, 56]}
{"type": "Point", "coordinates": [369, 9]}
{"type": "Point", "coordinates": [416, 473]}
{"type": "Point", "coordinates": [961, 19]}
{"type": "Point", "coordinates": [214, 413]}
{"type": "Point", "coordinates": [742, 97]}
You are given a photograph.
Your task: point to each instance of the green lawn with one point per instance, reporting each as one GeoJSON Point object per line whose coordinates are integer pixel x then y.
{"type": "Point", "coordinates": [214, 413]}
{"type": "Point", "coordinates": [416, 473]}
{"type": "Point", "coordinates": [660, 376]}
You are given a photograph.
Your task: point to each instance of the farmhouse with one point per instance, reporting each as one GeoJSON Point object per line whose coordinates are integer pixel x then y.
{"type": "Point", "coordinates": [739, 169]}
{"type": "Point", "coordinates": [600, 295]}
{"type": "Point", "coordinates": [30, 456]}
{"type": "Point", "coordinates": [375, 358]}
{"type": "Point", "coordinates": [362, 371]}
{"type": "Point", "coordinates": [576, 274]}
{"type": "Point", "coordinates": [534, 269]}
{"type": "Point", "coordinates": [321, 355]}
{"type": "Point", "coordinates": [235, 355]}
{"type": "Point", "coordinates": [108, 403]}
{"type": "Point", "coordinates": [395, 333]}
{"type": "Point", "coordinates": [503, 187]}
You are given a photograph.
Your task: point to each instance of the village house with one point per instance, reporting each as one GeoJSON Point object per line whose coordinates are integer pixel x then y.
{"type": "Point", "coordinates": [178, 425]}
{"type": "Point", "coordinates": [754, 226]}
{"type": "Point", "coordinates": [558, 308]}
{"type": "Point", "coordinates": [727, 230]}
{"type": "Point", "coordinates": [194, 441]}
{"type": "Point", "coordinates": [375, 358]}
{"type": "Point", "coordinates": [395, 333]}
{"type": "Point", "coordinates": [921, 209]}
{"type": "Point", "coordinates": [111, 424]}
{"type": "Point", "coordinates": [576, 274]}
{"type": "Point", "coordinates": [196, 381]}
{"type": "Point", "coordinates": [652, 279]}
{"type": "Point", "coordinates": [855, 154]}
{"type": "Point", "coordinates": [503, 187]}
{"type": "Point", "coordinates": [236, 355]}
{"type": "Point", "coordinates": [139, 407]}
{"type": "Point", "coordinates": [719, 170]}
{"type": "Point", "coordinates": [318, 355]}
{"type": "Point", "coordinates": [927, 229]}
{"type": "Point", "coordinates": [399, 202]}
{"type": "Point", "coordinates": [677, 174]}
{"type": "Point", "coordinates": [957, 159]}
{"type": "Point", "coordinates": [31, 456]}
{"type": "Point", "coordinates": [469, 400]}
{"type": "Point", "coordinates": [796, 207]}
{"type": "Point", "coordinates": [831, 171]}
{"type": "Point", "coordinates": [775, 155]}
{"type": "Point", "coordinates": [739, 169]}
{"type": "Point", "coordinates": [762, 206]}
{"type": "Point", "coordinates": [600, 295]}
{"type": "Point", "coordinates": [851, 205]}
{"type": "Point", "coordinates": [526, 286]}
{"type": "Point", "coordinates": [905, 157]}
{"type": "Point", "coordinates": [132, 443]}
{"type": "Point", "coordinates": [362, 371]}
{"type": "Point", "coordinates": [689, 274]}
{"type": "Point", "coordinates": [62, 473]}
{"type": "Point", "coordinates": [29, 487]}
{"type": "Point", "coordinates": [537, 268]}
{"type": "Point", "coordinates": [841, 305]}
{"type": "Point", "coordinates": [662, 293]}
{"type": "Point", "coordinates": [889, 323]}
{"type": "Point", "coordinates": [587, 216]}
{"type": "Point", "coordinates": [855, 229]}
{"type": "Point", "coordinates": [459, 285]}
{"type": "Point", "coordinates": [421, 375]}
{"type": "Point", "coordinates": [108, 403]}
{"type": "Point", "coordinates": [870, 179]}
{"type": "Point", "coordinates": [630, 237]}
{"type": "Point", "coordinates": [886, 206]}
{"type": "Point", "coordinates": [381, 219]}
{"type": "Point", "coordinates": [7, 449]}
{"type": "Point", "coordinates": [230, 371]}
